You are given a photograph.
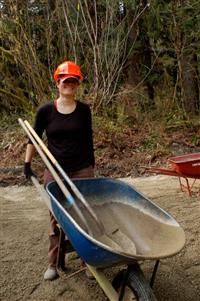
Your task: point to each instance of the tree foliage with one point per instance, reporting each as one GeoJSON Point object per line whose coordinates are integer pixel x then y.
{"type": "Point", "coordinates": [138, 54]}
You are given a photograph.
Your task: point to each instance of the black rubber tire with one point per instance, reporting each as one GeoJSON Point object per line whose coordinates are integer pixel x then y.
{"type": "Point", "coordinates": [136, 282]}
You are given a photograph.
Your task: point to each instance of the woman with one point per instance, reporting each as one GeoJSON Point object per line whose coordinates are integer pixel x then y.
{"type": "Point", "coordinates": [67, 124]}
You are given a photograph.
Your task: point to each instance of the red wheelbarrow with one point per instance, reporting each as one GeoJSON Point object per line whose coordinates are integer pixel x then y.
{"type": "Point", "coordinates": [185, 166]}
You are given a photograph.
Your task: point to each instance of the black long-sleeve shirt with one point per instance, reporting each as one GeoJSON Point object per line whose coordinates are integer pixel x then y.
{"type": "Point", "coordinates": [69, 135]}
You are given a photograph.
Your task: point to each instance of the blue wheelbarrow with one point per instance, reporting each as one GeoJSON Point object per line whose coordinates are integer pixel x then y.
{"type": "Point", "coordinates": [134, 228]}
{"type": "Point", "coordinates": [125, 213]}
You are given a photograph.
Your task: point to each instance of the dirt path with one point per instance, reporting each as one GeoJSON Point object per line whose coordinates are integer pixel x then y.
{"type": "Point", "coordinates": [24, 244]}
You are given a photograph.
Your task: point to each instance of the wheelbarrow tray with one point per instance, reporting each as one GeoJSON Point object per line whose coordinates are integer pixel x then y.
{"type": "Point", "coordinates": [155, 233]}
{"type": "Point", "coordinates": [188, 164]}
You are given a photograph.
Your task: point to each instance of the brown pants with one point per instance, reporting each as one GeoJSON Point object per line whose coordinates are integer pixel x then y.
{"type": "Point", "coordinates": [54, 230]}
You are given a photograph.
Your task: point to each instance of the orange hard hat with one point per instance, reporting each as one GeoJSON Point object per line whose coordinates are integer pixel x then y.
{"type": "Point", "coordinates": [68, 68]}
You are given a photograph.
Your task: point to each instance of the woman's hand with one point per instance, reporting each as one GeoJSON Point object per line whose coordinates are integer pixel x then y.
{"type": "Point", "coordinates": [28, 171]}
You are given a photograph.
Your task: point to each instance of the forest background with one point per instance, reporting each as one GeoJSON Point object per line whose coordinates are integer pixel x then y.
{"type": "Point", "coordinates": [141, 66]}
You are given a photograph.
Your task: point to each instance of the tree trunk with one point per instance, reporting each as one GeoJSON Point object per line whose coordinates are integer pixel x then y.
{"type": "Point", "coordinates": [137, 61]}
{"type": "Point", "coordinates": [190, 89]}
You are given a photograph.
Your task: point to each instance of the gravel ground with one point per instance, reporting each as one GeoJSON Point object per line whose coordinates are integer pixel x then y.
{"type": "Point", "coordinates": [24, 245]}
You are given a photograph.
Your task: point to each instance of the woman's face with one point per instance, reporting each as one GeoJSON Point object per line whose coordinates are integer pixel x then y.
{"type": "Point", "coordinates": [68, 87]}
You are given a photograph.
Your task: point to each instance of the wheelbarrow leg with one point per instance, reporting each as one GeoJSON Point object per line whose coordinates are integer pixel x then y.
{"type": "Point", "coordinates": [188, 187]}
{"type": "Point", "coordinates": [180, 183]}
{"type": "Point", "coordinates": [154, 273]}
{"type": "Point", "coordinates": [104, 283]}
{"type": "Point", "coordinates": [193, 183]}
{"type": "Point", "coordinates": [124, 281]}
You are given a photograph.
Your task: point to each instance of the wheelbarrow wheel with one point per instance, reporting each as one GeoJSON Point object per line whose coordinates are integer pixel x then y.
{"type": "Point", "coordinates": [132, 285]}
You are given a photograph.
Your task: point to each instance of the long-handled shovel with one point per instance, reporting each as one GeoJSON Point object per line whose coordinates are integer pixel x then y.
{"type": "Point", "coordinates": [69, 198]}
{"type": "Point", "coordinates": [65, 176]}
{"type": "Point", "coordinates": [99, 231]}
